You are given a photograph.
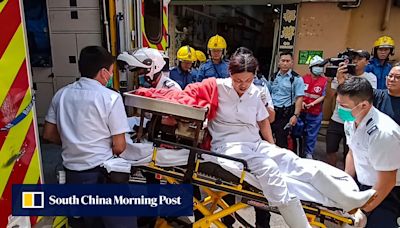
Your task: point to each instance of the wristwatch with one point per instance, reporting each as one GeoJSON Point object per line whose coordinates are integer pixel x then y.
{"type": "Point", "coordinates": [296, 115]}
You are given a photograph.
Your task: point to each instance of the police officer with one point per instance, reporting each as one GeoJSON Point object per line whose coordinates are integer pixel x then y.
{"type": "Point", "coordinates": [379, 65]}
{"type": "Point", "coordinates": [287, 91]}
{"type": "Point", "coordinates": [374, 141]}
{"type": "Point", "coordinates": [182, 73]}
{"type": "Point", "coordinates": [216, 66]}
{"type": "Point", "coordinates": [201, 58]}
{"type": "Point", "coordinates": [151, 62]}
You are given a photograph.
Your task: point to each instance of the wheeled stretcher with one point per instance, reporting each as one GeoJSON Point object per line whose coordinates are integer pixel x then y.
{"type": "Point", "coordinates": [174, 154]}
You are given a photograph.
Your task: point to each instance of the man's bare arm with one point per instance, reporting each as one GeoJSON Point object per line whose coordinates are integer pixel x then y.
{"type": "Point", "coordinates": [386, 182]}
{"type": "Point", "coordinates": [271, 113]}
{"type": "Point", "coordinates": [349, 165]}
{"type": "Point", "coordinates": [50, 133]}
{"type": "Point", "coordinates": [266, 132]}
{"type": "Point", "coordinates": [118, 143]}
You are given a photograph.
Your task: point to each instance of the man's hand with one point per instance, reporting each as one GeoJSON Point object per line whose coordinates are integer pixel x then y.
{"type": "Point", "coordinates": [293, 120]}
{"type": "Point", "coordinates": [307, 106]}
{"type": "Point", "coordinates": [342, 74]}
{"type": "Point", "coordinates": [303, 105]}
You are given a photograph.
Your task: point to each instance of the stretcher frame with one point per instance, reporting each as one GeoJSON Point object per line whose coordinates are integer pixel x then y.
{"type": "Point", "coordinates": [214, 187]}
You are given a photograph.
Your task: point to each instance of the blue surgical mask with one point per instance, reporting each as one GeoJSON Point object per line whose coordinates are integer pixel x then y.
{"type": "Point", "coordinates": [345, 113]}
{"type": "Point", "coordinates": [317, 70]}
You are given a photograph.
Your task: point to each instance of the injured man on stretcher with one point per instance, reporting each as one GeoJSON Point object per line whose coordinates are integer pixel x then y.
{"type": "Point", "coordinates": [236, 117]}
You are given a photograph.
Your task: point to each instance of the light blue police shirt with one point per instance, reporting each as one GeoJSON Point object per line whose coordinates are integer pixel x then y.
{"type": "Point", "coordinates": [281, 89]}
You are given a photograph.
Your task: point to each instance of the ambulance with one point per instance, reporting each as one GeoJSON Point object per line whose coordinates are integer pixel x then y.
{"type": "Point", "coordinates": [28, 64]}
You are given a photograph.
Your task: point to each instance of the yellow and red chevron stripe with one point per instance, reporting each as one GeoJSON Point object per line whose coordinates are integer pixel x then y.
{"type": "Point", "coordinates": [19, 158]}
{"type": "Point", "coordinates": [162, 46]}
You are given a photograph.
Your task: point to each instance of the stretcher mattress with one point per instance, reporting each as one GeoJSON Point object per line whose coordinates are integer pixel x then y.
{"type": "Point", "coordinates": [140, 154]}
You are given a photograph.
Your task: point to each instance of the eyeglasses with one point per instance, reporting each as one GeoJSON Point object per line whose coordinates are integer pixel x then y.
{"type": "Point", "coordinates": [395, 77]}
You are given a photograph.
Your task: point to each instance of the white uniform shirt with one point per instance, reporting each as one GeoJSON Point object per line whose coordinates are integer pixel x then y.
{"type": "Point", "coordinates": [367, 75]}
{"type": "Point", "coordinates": [375, 145]}
{"type": "Point", "coordinates": [167, 83]}
{"type": "Point", "coordinates": [87, 114]}
{"type": "Point", "coordinates": [266, 96]}
{"type": "Point", "coordinates": [236, 119]}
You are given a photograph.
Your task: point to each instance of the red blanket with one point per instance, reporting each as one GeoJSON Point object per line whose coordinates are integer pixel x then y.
{"type": "Point", "coordinates": [201, 94]}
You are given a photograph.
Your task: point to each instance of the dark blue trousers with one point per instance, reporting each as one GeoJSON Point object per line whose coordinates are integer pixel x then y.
{"type": "Point", "coordinates": [96, 176]}
{"type": "Point", "coordinates": [312, 124]}
{"type": "Point", "coordinates": [387, 214]}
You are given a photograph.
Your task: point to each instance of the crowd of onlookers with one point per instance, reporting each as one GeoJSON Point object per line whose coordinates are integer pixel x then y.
{"type": "Point", "coordinates": [295, 101]}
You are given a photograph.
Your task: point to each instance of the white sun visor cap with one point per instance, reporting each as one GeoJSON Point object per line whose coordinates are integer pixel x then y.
{"type": "Point", "coordinates": [135, 59]}
{"type": "Point", "coordinates": [316, 60]}
{"type": "Point", "coordinates": [157, 58]}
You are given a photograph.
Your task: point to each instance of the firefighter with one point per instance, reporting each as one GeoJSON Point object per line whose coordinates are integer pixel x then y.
{"type": "Point", "coordinates": [314, 94]}
{"type": "Point", "coordinates": [182, 73]}
{"type": "Point", "coordinates": [150, 62]}
{"type": "Point", "coordinates": [216, 66]}
{"type": "Point", "coordinates": [379, 65]}
{"type": "Point", "coordinates": [201, 58]}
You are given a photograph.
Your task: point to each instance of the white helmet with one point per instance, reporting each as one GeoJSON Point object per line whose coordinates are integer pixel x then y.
{"type": "Point", "coordinates": [145, 58]}
{"type": "Point", "coordinates": [316, 60]}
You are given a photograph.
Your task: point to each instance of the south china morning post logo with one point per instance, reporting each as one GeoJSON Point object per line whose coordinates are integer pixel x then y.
{"type": "Point", "coordinates": [102, 200]}
{"type": "Point", "coordinates": [32, 200]}
{"type": "Point", "coordinates": [117, 200]}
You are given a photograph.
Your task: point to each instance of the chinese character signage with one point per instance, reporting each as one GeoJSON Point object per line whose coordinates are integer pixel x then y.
{"type": "Point", "coordinates": [288, 27]}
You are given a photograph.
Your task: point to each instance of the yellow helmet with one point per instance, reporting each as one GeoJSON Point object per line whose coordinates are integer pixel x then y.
{"type": "Point", "coordinates": [186, 53]}
{"type": "Point", "coordinates": [216, 42]}
{"type": "Point", "coordinates": [384, 41]}
{"type": "Point", "coordinates": [201, 57]}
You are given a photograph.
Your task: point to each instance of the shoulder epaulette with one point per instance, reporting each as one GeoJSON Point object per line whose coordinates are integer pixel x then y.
{"type": "Point", "coordinates": [168, 84]}
{"type": "Point", "coordinates": [372, 129]}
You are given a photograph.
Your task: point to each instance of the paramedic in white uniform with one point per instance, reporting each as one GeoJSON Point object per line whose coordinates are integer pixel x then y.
{"type": "Point", "coordinates": [90, 122]}
{"type": "Point", "coordinates": [241, 115]}
{"type": "Point", "coordinates": [152, 62]}
{"type": "Point", "coordinates": [374, 155]}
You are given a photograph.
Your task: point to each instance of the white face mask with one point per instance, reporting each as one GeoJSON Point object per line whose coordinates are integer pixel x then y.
{"type": "Point", "coordinates": [317, 70]}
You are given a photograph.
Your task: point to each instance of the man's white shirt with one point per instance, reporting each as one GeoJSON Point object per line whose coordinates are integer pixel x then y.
{"type": "Point", "coordinates": [87, 115]}
{"type": "Point", "coordinates": [375, 144]}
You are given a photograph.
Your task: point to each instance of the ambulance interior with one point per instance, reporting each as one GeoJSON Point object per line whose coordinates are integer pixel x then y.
{"type": "Point", "coordinates": [251, 26]}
